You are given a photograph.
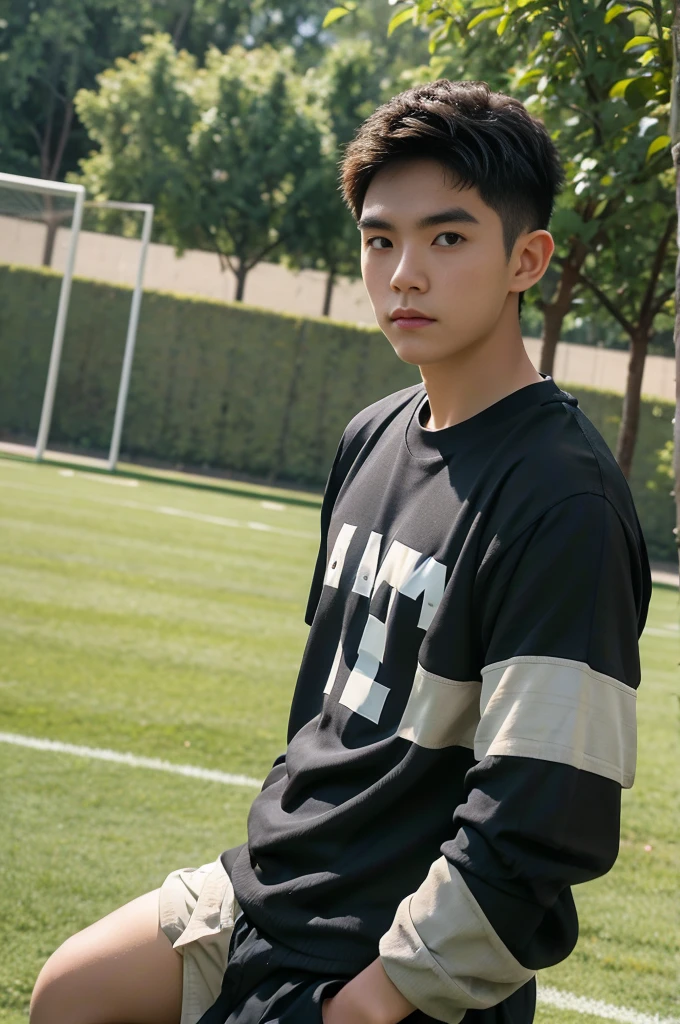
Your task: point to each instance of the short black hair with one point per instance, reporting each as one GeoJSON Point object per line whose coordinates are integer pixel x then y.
{"type": "Point", "coordinates": [486, 139]}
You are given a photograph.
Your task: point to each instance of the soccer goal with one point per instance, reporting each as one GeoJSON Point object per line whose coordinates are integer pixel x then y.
{"type": "Point", "coordinates": [31, 213]}
{"type": "Point", "coordinates": [54, 203]}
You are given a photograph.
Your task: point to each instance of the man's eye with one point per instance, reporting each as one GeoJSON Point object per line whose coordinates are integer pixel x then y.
{"type": "Point", "coordinates": [449, 237]}
{"type": "Point", "coordinates": [373, 243]}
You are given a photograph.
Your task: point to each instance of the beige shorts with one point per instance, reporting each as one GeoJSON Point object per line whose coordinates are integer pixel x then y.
{"type": "Point", "coordinates": [197, 910]}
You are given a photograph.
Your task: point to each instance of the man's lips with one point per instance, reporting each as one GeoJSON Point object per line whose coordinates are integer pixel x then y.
{"type": "Point", "coordinates": [409, 321]}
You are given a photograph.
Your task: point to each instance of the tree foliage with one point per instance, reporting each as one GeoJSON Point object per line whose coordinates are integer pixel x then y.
{"type": "Point", "coordinates": [343, 90]}
{"type": "Point", "coordinates": [229, 153]}
{"type": "Point", "coordinates": [257, 150]}
{"type": "Point", "coordinates": [50, 49]}
{"type": "Point", "coordinates": [140, 116]}
{"type": "Point", "coordinates": [597, 73]}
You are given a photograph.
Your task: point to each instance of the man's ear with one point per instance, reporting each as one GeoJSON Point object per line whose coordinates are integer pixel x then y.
{"type": "Point", "coordinates": [532, 258]}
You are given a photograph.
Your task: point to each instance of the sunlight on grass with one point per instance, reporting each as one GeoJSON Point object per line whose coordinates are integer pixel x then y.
{"type": "Point", "coordinates": [180, 638]}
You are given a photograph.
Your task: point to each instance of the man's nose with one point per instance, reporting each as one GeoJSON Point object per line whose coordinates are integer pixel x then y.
{"type": "Point", "coordinates": [409, 273]}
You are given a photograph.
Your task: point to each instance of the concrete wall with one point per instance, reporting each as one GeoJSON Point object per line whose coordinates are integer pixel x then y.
{"type": "Point", "coordinates": [111, 258]}
{"type": "Point", "coordinates": [270, 286]}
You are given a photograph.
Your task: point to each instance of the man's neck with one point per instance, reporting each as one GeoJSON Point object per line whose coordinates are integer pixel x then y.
{"type": "Point", "coordinates": [473, 380]}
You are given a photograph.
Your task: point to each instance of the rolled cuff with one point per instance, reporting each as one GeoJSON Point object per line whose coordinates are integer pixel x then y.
{"type": "Point", "coordinates": [443, 954]}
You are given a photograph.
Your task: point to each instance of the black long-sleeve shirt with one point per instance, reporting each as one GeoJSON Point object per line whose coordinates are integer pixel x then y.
{"type": "Point", "coordinates": [464, 716]}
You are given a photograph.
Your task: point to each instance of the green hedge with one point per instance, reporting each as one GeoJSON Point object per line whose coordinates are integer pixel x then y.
{"type": "Point", "coordinates": [229, 386]}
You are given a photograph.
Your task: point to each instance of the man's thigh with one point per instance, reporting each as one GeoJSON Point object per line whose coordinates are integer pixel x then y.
{"type": "Point", "coordinates": [120, 970]}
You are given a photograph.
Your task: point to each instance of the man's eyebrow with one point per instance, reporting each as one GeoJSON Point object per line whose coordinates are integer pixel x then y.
{"type": "Point", "coordinates": [375, 222]}
{"type": "Point", "coordinates": [456, 214]}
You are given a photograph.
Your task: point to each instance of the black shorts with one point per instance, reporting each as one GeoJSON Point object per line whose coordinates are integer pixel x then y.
{"type": "Point", "coordinates": [264, 984]}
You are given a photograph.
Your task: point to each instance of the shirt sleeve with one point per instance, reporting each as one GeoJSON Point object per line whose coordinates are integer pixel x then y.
{"type": "Point", "coordinates": [561, 611]}
{"type": "Point", "coordinates": [333, 484]}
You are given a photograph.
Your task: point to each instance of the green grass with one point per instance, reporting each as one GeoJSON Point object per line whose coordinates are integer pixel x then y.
{"type": "Point", "coordinates": [139, 630]}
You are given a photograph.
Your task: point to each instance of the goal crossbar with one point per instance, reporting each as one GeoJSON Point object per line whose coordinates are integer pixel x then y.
{"type": "Point", "coordinates": [55, 188]}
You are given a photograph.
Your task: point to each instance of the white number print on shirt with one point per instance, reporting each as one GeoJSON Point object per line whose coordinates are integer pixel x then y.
{"type": "Point", "coordinates": [404, 572]}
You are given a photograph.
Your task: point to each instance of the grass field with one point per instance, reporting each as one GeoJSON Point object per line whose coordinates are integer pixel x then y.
{"type": "Point", "coordinates": [167, 622]}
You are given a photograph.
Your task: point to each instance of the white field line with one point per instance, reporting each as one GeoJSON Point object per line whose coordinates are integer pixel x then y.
{"type": "Point", "coordinates": [122, 481]}
{"type": "Point", "coordinates": [651, 631]}
{"type": "Point", "coordinates": [131, 760]}
{"type": "Point", "coordinates": [547, 995]}
{"type": "Point", "coordinates": [560, 1000]}
{"type": "Point", "coordinates": [200, 517]}
{"type": "Point", "coordinates": [168, 510]}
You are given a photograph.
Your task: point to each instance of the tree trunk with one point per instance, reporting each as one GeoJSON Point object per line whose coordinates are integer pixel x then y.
{"type": "Point", "coordinates": [182, 23]}
{"type": "Point", "coordinates": [674, 130]}
{"type": "Point", "coordinates": [630, 416]}
{"type": "Point", "coordinates": [241, 275]}
{"type": "Point", "coordinates": [51, 224]}
{"type": "Point", "coordinates": [328, 294]}
{"type": "Point", "coordinates": [555, 312]}
{"type": "Point", "coordinates": [553, 318]}
{"type": "Point", "coordinates": [676, 420]}
{"type": "Point", "coordinates": [53, 220]}
{"type": "Point", "coordinates": [50, 237]}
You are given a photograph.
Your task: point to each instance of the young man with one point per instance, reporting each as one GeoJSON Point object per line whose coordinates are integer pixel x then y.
{"type": "Point", "coordinates": [464, 717]}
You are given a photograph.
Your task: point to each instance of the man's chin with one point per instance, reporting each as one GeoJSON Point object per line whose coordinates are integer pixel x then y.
{"type": "Point", "coordinates": [417, 351]}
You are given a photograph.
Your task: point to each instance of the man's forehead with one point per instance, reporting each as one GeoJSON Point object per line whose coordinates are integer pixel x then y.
{"type": "Point", "coordinates": [415, 189]}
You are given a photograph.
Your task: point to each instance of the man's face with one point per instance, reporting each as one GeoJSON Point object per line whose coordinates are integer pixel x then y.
{"type": "Point", "coordinates": [432, 248]}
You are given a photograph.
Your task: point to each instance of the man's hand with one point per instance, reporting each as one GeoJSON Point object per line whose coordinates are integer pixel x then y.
{"type": "Point", "coordinates": [369, 998]}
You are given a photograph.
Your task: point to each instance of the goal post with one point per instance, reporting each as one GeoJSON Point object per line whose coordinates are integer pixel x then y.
{"type": "Point", "coordinates": [53, 188]}
{"type": "Point", "coordinates": [147, 210]}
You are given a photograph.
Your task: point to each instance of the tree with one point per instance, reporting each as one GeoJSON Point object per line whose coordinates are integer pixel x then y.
{"type": "Point", "coordinates": [140, 117]}
{"type": "Point", "coordinates": [343, 90]}
{"type": "Point", "coordinates": [606, 161]}
{"type": "Point", "coordinates": [228, 153]}
{"type": "Point", "coordinates": [50, 49]}
{"type": "Point", "coordinates": [258, 150]}
{"type": "Point", "coordinates": [640, 235]}
{"type": "Point", "coordinates": [196, 25]}
{"type": "Point", "coordinates": [395, 53]}
{"type": "Point", "coordinates": [674, 130]}
{"type": "Point", "coordinates": [579, 57]}
{"type": "Point", "coordinates": [325, 236]}
{"type": "Point", "coordinates": [359, 67]}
